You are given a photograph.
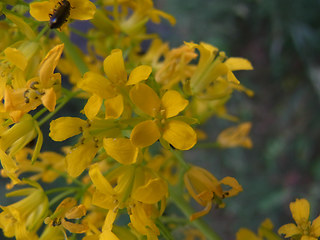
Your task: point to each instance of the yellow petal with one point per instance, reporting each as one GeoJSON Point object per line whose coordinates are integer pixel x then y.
{"type": "Point", "coordinates": [289, 230]}
{"type": "Point", "coordinates": [16, 57]}
{"type": "Point", "coordinates": [121, 149]}
{"type": "Point", "coordinates": [246, 234]}
{"type": "Point", "coordinates": [76, 212]}
{"type": "Point", "coordinates": [145, 98]}
{"type": "Point", "coordinates": [82, 9]}
{"type": "Point", "coordinates": [74, 227]}
{"type": "Point", "coordinates": [113, 66]}
{"type": "Point", "coordinates": [233, 183]}
{"type": "Point", "coordinates": [173, 103]}
{"type": "Point", "coordinates": [180, 135]}
{"type": "Point", "coordinates": [114, 107]}
{"type": "Point", "coordinates": [96, 84]}
{"type": "Point", "coordinates": [145, 134]}
{"type": "Point", "coordinates": [48, 65]}
{"type": "Point", "coordinates": [235, 63]}
{"type": "Point", "coordinates": [9, 166]}
{"type": "Point", "coordinates": [99, 181]}
{"type": "Point", "coordinates": [66, 127]}
{"type": "Point", "coordinates": [108, 235]}
{"type": "Point", "coordinates": [49, 99]}
{"type": "Point", "coordinates": [139, 74]}
{"type": "Point", "coordinates": [315, 227]}
{"type": "Point", "coordinates": [41, 10]}
{"type": "Point", "coordinates": [152, 192]}
{"type": "Point", "coordinates": [80, 158]}
{"type": "Point", "coordinates": [300, 210]}
{"type": "Point", "coordinates": [93, 106]}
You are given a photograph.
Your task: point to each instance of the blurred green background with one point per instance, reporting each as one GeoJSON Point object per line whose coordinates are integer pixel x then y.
{"type": "Point", "coordinates": [282, 40]}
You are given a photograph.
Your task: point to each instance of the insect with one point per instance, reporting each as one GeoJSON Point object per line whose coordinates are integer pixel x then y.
{"type": "Point", "coordinates": [60, 14]}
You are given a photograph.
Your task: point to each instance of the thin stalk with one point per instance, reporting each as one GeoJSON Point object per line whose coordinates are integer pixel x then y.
{"type": "Point", "coordinates": [164, 231]}
{"type": "Point", "coordinates": [187, 210]}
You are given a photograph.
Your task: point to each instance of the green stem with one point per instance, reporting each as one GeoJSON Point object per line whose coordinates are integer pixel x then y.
{"type": "Point", "coordinates": [60, 196]}
{"type": "Point", "coordinates": [42, 32]}
{"type": "Point", "coordinates": [73, 52]}
{"type": "Point", "coordinates": [187, 210]}
{"type": "Point", "coordinates": [179, 157]}
{"type": "Point", "coordinates": [164, 231]}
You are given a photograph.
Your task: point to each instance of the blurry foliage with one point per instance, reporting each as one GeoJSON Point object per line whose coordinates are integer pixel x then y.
{"type": "Point", "coordinates": [281, 38]}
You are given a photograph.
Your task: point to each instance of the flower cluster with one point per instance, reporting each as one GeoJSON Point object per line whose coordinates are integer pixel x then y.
{"type": "Point", "coordinates": [143, 107]}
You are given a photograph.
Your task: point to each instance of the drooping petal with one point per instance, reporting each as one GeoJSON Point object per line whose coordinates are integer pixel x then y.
{"type": "Point", "coordinates": [145, 98]}
{"type": "Point", "coordinates": [93, 106]}
{"type": "Point", "coordinates": [9, 166]}
{"type": "Point", "coordinates": [96, 84]}
{"type": "Point", "coordinates": [236, 63]}
{"type": "Point", "coordinates": [49, 99]}
{"type": "Point", "coordinates": [179, 134]}
{"type": "Point", "coordinates": [82, 9]}
{"type": "Point", "coordinates": [173, 103]}
{"type": "Point", "coordinates": [41, 10]}
{"type": "Point", "coordinates": [65, 127]}
{"type": "Point", "coordinates": [74, 227]}
{"type": "Point", "coordinates": [48, 65]}
{"type": "Point", "coordinates": [114, 107]}
{"type": "Point", "coordinates": [145, 134]}
{"type": "Point", "coordinates": [152, 192]}
{"type": "Point", "coordinates": [121, 149]}
{"type": "Point", "coordinates": [233, 183]}
{"type": "Point", "coordinates": [114, 68]}
{"type": "Point", "coordinates": [300, 210]}
{"type": "Point", "coordinates": [139, 74]}
{"type": "Point", "coordinates": [289, 230]}
{"type": "Point", "coordinates": [80, 158]}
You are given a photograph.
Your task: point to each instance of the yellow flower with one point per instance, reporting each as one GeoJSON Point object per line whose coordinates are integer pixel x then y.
{"type": "Point", "coordinates": [109, 89]}
{"type": "Point", "coordinates": [303, 229]}
{"type": "Point", "coordinates": [79, 10]}
{"type": "Point", "coordinates": [176, 67]}
{"type": "Point", "coordinates": [265, 231]}
{"type": "Point", "coordinates": [23, 218]}
{"type": "Point", "coordinates": [68, 209]}
{"type": "Point", "coordinates": [213, 77]}
{"type": "Point", "coordinates": [163, 123]}
{"type": "Point", "coordinates": [236, 136]}
{"type": "Point", "coordinates": [16, 138]}
{"type": "Point", "coordinates": [136, 188]}
{"type": "Point", "coordinates": [42, 89]}
{"type": "Point", "coordinates": [205, 188]}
